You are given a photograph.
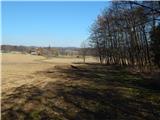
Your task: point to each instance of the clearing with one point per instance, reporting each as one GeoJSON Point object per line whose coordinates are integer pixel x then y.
{"type": "Point", "coordinates": [36, 88]}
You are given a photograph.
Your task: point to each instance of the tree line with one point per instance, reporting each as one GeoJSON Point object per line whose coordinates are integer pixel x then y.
{"type": "Point", "coordinates": [128, 33]}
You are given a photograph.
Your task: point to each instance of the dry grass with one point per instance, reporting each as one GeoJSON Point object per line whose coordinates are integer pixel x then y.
{"type": "Point", "coordinates": [36, 88]}
{"type": "Point", "coordinates": [19, 69]}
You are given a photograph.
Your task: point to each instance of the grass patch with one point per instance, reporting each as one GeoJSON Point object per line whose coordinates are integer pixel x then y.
{"type": "Point", "coordinates": [91, 92]}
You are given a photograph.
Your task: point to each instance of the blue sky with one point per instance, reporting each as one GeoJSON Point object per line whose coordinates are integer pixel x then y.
{"type": "Point", "coordinates": [60, 24]}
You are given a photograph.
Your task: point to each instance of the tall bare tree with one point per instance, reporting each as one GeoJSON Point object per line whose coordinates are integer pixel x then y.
{"type": "Point", "coordinates": [83, 50]}
{"type": "Point", "coordinates": [120, 35]}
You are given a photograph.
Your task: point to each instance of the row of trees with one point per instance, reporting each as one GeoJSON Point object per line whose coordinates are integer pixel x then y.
{"type": "Point", "coordinates": [127, 33]}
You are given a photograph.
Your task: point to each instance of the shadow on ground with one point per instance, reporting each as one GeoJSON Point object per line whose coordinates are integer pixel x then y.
{"type": "Point", "coordinates": [85, 92]}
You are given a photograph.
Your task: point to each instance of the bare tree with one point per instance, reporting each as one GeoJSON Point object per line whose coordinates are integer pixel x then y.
{"type": "Point", "coordinates": [120, 35]}
{"type": "Point", "coordinates": [83, 50]}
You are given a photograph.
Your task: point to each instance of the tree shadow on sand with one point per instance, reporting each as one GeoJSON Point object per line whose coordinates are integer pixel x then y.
{"type": "Point", "coordinates": [87, 92]}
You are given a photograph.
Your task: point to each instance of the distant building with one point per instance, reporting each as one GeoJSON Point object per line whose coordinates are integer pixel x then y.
{"type": "Point", "coordinates": [33, 53]}
{"type": "Point", "coordinates": [37, 51]}
{"type": "Point", "coordinates": [43, 52]}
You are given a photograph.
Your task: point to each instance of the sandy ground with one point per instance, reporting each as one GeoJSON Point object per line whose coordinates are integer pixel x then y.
{"type": "Point", "coordinates": [20, 69]}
